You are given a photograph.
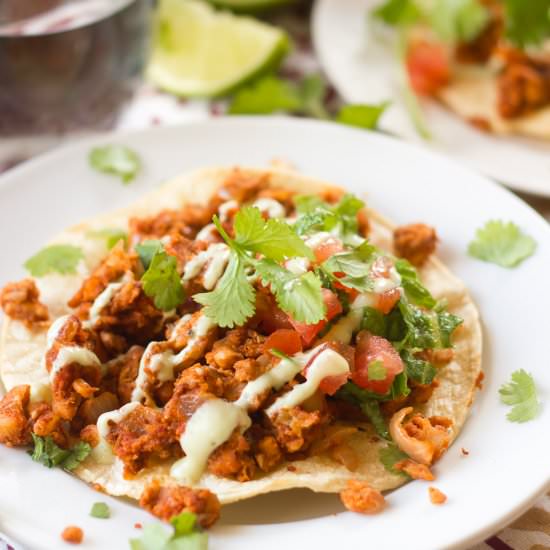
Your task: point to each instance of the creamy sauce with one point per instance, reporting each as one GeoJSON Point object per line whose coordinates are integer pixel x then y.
{"type": "Point", "coordinates": [327, 363]}
{"type": "Point", "coordinates": [210, 426]}
{"type": "Point", "coordinates": [383, 284]}
{"type": "Point", "coordinates": [298, 266]}
{"type": "Point", "coordinates": [163, 364]}
{"type": "Point", "coordinates": [101, 301]}
{"type": "Point", "coordinates": [206, 233]}
{"type": "Point", "coordinates": [225, 209]}
{"type": "Point", "coordinates": [102, 451]}
{"type": "Point", "coordinates": [215, 258]}
{"type": "Point", "coordinates": [271, 207]}
{"type": "Point", "coordinates": [73, 354]}
{"type": "Point", "coordinates": [55, 329]}
{"type": "Point", "coordinates": [318, 239]}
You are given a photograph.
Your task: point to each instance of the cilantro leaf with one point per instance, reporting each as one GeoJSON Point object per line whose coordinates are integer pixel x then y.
{"type": "Point", "coordinates": [527, 23]}
{"type": "Point", "coordinates": [501, 243]}
{"type": "Point", "coordinates": [376, 370]}
{"type": "Point", "coordinates": [458, 20]}
{"type": "Point", "coordinates": [371, 409]}
{"type": "Point", "coordinates": [111, 236]}
{"type": "Point", "coordinates": [397, 12]}
{"type": "Point", "coordinates": [400, 387]}
{"type": "Point", "coordinates": [447, 324]}
{"type": "Point", "coordinates": [60, 258]}
{"type": "Point", "coordinates": [47, 453]}
{"type": "Point", "coordinates": [349, 263]}
{"type": "Point", "coordinates": [422, 326]}
{"type": "Point", "coordinates": [185, 535]}
{"type": "Point", "coordinates": [117, 160]}
{"type": "Point", "coordinates": [232, 301]}
{"type": "Point", "coordinates": [274, 238]}
{"type": "Point", "coordinates": [419, 370]}
{"type": "Point", "coordinates": [268, 95]}
{"type": "Point", "coordinates": [100, 510]}
{"type": "Point", "coordinates": [362, 115]}
{"type": "Point", "coordinates": [147, 249]}
{"type": "Point", "coordinates": [374, 321]}
{"type": "Point", "coordinates": [298, 295]}
{"type": "Point", "coordinates": [162, 282]}
{"type": "Point", "coordinates": [308, 203]}
{"type": "Point", "coordinates": [521, 392]}
{"type": "Point", "coordinates": [389, 456]}
{"type": "Point", "coordinates": [313, 90]}
{"type": "Point", "coordinates": [416, 292]}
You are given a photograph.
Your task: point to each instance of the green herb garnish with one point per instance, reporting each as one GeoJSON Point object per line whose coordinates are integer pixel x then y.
{"type": "Point", "coordinates": [521, 393]}
{"type": "Point", "coordinates": [389, 456]}
{"type": "Point", "coordinates": [50, 455]}
{"type": "Point", "coordinates": [112, 236]}
{"type": "Point", "coordinates": [502, 243]}
{"type": "Point", "coordinates": [117, 160]}
{"type": "Point", "coordinates": [147, 249]}
{"type": "Point", "coordinates": [362, 115]}
{"type": "Point", "coordinates": [162, 282]}
{"type": "Point", "coordinates": [59, 258]}
{"type": "Point", "coordinates": [100, 510]}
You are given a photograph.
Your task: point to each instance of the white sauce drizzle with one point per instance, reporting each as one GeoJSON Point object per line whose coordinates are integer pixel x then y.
{"type": "Point", "coordinates": [215, 258]}
{"type": "Point", "coordinates": [163, 364]}
{"type": "Point", "coordinates": [318, 239]}
{"type": "Point", "coordinates": [206, 233]}
{"type": "Point", "coordinates": [102, 451]}
{"type": "Point", "coordinates": [226, 208]}
{"type": "Point", "coordinates": [383, 284]}
{"type": "Point", "coordinates": [73, 354]}
{"type": "Point", "coordinates": [210, 426]}
{"type": "Point", "coordinates": [100, 302]}
{"type": "Point", "coordinates": [55, 329]}
{"type": "Point", "coordinates": [40, 391]}
{"type": "Point", "coordinates": [327, 363]}
{"type": "Point", "coordinates": [271, 207]}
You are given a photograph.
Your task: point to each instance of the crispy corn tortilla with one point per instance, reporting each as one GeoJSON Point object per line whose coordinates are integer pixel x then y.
{"type": "Point", "coordinates": [21, 351]}
{"type": "Point", "coordinates": [473, 94]}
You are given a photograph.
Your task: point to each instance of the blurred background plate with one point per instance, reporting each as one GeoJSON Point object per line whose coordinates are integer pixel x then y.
{"type": "Point", "coordinates": [364, 70]}
{"type": "Point", "coordinates": [507, 468]}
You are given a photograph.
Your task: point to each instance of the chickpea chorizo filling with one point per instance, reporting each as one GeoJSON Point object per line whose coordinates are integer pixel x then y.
{"type": "Point", "coordinates": [232, 338]}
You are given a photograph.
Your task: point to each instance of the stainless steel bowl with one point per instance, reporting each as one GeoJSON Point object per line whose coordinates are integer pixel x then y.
{"type": "Point", "coordinates": [73, 73]}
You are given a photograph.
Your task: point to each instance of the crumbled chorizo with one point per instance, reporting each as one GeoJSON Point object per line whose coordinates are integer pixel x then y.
{"type": "Point", "coordinates": [91, 409]}
{"type": "Point", "coordinates": [46, 423]}
{"type": "Point", "coordinates": [267, 453]}
{"type": "Point", "coordinates": [438, 357]}
{"type": "Point", "coordinates": [20, 301]}
{"type": "Point", "coordinates": [415, 242]}
{"type": "Point", "coordinates": [183, 249]}
{"type": "Point", "coordinates": [295, 429]}
{"type": "Point", "coordinates": [142, 434]}
{"type": "Point", "coordinates": [113, 267]}
{"type": "Point", "coordinates": [414, 469]}
{"type": "Point", "coordinates": [359, 497]}
{"type": "Point", "coordinates": [122, 373]}
{"type": "Point", "coordinates": [166, 222]}
{"type": "Point", "coordinates": [423, 439]}
{"type": "Point", "coordinates": [14, 420]}
{"type": "Point", "coordinates": [436, 496]}
{"type": "Point", "coordinates": [241, 186]}
{"type": "Point", "coordinates": [232, 459]}
{"type": "Point", "coordinates": [167, 502]}
{"type": "Point", "coordinates": [72, 534]}
{"type": "Point", "coordinates": [523, 86]}
{"type": "Point", "coordinates": [90, 435]}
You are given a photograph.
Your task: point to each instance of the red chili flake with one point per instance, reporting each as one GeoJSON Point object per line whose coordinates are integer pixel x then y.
{"type": "Point", "coordinates": [138, 525]}
{"type": "Point", "coordinates": [465, 452]}
{"type": "Point", "coordinates": [291, 468]}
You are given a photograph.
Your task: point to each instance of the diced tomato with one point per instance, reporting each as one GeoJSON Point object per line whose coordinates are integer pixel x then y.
{"type": "Point", "coordinates": [269, 315]}
{"type": "Point", "coordinates": [381, 267]}
{"type": "Point", "coordinates": [328, 248]}
{"type": "Point", "coordinates": [375, 348]}
{"type": "Point", "coordinates": [351, 292]}
{"type": "Point", "coordinates": [309, 332]}
{"type": "Point", "coordinates": [428, 67]}
{"type": "Point", "coordinates": [286, 340]}
{"type": "Point", "coordinates": [331, 384]}
{"type": "Point", "coordinates": [386, 301]}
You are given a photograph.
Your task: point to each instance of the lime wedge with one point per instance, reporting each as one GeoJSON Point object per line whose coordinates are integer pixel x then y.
{"type": "Point", "coordinates": [198, 51]}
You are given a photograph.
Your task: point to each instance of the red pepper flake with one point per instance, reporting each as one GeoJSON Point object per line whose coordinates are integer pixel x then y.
{"type": "Point", "coordinates": [479, 381]}
{"type": "Point", "coordinates": [291, 468]}
{"type": "Point", "coordinates": [138, 525]}
{"type": "Point", "coordinates": [465, 452]}
{"type": "Point", "coordinates": [72, 534]}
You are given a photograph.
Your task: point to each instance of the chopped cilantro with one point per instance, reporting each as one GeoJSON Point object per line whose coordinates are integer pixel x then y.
{"type": "Point", "coordinates": [416, 292]}
{"type": "Point", "coordinates": [502, 243]}
{"type": "Point", "coordinates": [112, 236]}
{"type": "Point", "coordinates": [185, 535]}
{"type": "Point", "coordinates": [117, 160]}
{"type": "Point", "coordinates": [60, 258]}
{"type": "Point", "coordinates": [419, 370]}
{"type": "Point", "coordinates": [362, 115]}
{"type": "Point", "coordinates": [355, 266]}
{"type": "Point", "coordinates": [100, 510]}
{"type": "Point", "coordinates": [397, 12]}
{"type": "Point", "coordinates": [458, 20]}
{"type": "Point", "coordinates": [400, 387]}
{"type": "Point", "coordinates": [50, 455]}
{"type": "Point", "coordinates": [389, 456]}
{"type": "Point", "coordinates": [527, 23]}
{"type": "Point", "coordinates": [521, 392]}
{"type": "Point", "coordinates": [147, 249]}
{"type": "Point", "coordinates": [376, 370]}
{"type": "Point", "coordinates": [162, 282]}
{"type": "Point", "coordinates": [374, 321]}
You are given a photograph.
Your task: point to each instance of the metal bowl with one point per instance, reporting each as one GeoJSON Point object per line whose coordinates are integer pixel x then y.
{"type": "Point", "coordinates": [71, 74]}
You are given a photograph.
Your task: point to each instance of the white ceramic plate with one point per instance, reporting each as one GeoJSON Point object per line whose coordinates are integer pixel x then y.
{"type": "Point", "coordinates": [507, 467]}
{"type": "Point", "coordinates": [364, 70]}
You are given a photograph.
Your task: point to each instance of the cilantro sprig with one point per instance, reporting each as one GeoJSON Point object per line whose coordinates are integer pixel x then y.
{"type": "Point", "coordinates": [521, 394]}
{"type": "Point", "coordinates": [46, 452]}
{"type": "Point", "coordinates": [527, 23]}
{"type": "Point", "coordinates": [162, 281]}
{"type": "Point", "coordinates": [256, 251]}
{"type": "Point", "coordinates": [117, 160]}
{"type": "Point", "coordinates": [502, 243]}
{"type": "Point", "coordinates": [110, 235]}
{"type": "Point", "coordinates": [185, 535]}
{"type": "Point", "coordinates": [59, 258]}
